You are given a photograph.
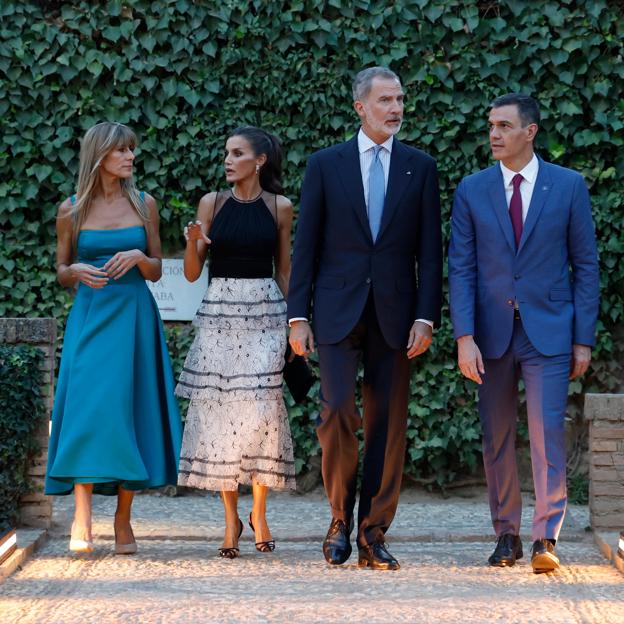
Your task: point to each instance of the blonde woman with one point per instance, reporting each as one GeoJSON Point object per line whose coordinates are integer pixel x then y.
{"type": "Point", "coordinates": [115, 424]}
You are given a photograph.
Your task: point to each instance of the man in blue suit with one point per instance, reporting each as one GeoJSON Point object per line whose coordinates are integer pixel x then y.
{"type": "Point", "coordinates": [523, 278]}
{"type": "Point", "coordinates": [367, 268]}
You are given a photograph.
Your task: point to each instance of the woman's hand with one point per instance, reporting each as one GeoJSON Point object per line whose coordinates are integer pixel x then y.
{"type": "Point", "coordinates": [122, 262]}
{"type": "Point", "coordinates": [89, 275]}
{"type": "Point", "coordinates": [194, 232]}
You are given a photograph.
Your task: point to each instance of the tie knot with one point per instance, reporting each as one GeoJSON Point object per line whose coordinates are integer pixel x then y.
{"type": "Point", "coordinates": [376, 150]}
{"type": "Point", "coordinates": [516, 180]}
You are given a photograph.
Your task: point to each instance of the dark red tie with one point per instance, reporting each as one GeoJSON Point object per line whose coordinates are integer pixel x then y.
{"type": "Point", "coordinates": [515, 208]}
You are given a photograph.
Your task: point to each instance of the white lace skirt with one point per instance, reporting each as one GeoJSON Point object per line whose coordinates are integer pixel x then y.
{"type": "Point", "coordinates": [237, 426]}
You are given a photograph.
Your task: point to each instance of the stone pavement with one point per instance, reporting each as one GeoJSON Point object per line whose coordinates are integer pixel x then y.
{"type": "Point", "coordinates": [176, 577]}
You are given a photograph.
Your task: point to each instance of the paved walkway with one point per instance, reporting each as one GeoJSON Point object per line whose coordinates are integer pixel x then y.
{"type": "Point", "coordinates": [176, 577]}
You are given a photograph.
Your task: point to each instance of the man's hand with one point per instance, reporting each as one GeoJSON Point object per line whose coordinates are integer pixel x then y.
{"type": "Point", "coordinates": [469, 359]}
{"type": "Point", "coordinates": [301, 338]}
{"type": "Point", "coordinates": [419, 340]}
{"type": "Point", "coordinates": [581, 357]}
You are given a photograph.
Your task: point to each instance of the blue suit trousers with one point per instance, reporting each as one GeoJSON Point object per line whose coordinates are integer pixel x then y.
{"type": "Point", "coordinates": [546, 382]}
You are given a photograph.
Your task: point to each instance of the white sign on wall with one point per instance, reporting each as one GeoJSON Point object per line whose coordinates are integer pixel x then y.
{"type": "Point", "coordinates": [178, 299]}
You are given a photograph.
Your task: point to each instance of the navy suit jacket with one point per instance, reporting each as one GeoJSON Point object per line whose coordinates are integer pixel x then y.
{"type": "Point", "coordinates": [553, 275]}
{"type": "Point", "coordinates": [336, 262]}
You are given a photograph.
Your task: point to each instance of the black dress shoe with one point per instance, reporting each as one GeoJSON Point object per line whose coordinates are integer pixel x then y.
{"type": "Point", "coordinates": [543, 557]}
{"type": "Point", "coordinates": [337, 543]}
{"type": "Point", "coordinates": [508, 550]}
{"type": "Point", "coordinates": [376, 556]}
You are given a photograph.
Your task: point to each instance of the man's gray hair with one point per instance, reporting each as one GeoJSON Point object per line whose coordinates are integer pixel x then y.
{"type": "Point", "coordinates": [363, 82]}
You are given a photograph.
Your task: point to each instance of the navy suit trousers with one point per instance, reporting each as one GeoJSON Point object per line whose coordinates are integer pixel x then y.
{"type": "Point", "coordinates": [385, 391]}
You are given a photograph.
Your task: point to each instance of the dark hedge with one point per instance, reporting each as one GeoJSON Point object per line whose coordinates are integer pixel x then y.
{"type": "Point", "coordinates": [184, 73]}
{"type": "Point", "coordinates": [21, 409]}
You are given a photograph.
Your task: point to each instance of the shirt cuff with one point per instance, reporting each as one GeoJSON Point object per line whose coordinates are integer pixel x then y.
{"type": "Point", "coordinates": [430, 323]}
{"type": "Point", "coordinates": [297, 318]}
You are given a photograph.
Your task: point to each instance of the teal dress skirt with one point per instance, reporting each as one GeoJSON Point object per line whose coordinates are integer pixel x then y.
{"type": "Point", "coordinates": [115, 419]}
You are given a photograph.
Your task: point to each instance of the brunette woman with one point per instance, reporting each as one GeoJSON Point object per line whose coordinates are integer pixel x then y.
{"type": "Point", "coordinates": [237, 427]}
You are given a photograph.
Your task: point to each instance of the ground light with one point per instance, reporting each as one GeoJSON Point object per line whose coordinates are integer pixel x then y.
{"type": "Point", "coordinates": [8, 544]}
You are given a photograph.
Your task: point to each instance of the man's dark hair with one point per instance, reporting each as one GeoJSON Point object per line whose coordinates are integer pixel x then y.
{"type": "Point", "coordinates": [528, 108]}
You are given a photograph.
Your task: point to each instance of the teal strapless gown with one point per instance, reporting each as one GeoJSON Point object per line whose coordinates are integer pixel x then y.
{"type": "Point", "coordinates": [115, 419]}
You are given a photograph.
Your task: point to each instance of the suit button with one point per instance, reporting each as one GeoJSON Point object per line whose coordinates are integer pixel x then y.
{"type": "Point", "coordinates": [368, 280]}
{"type": "Point", "coordinates": [510, 302]}
{"type": "Point", "coordinates": [516, 277]}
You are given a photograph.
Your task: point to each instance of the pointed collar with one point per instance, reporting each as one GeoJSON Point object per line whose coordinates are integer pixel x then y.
{"type": "Point", "coordinates": [529, 172]}
{"type": "Point", "coordinates": [365, 142]}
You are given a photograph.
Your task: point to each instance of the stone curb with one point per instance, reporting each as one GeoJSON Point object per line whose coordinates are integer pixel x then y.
{"type": "Point", "coordinates": [33, 541]}
{"type": "Point", "coordinates": [395, 538]}
{"type": "Point", "coordinates": [607, 543]}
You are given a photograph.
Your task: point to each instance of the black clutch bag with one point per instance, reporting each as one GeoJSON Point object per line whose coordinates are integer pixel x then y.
{"type": "Point", "coordinates": [297, 375]}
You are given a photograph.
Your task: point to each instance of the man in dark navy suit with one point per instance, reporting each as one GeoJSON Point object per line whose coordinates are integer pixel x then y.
{"type": "Point", "coordinates": [523, 277]}
{"type": "Point", "coordinates": [367, 269]}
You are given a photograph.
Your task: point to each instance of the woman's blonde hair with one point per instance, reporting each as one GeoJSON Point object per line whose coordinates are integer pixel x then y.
{"type": "Point", "coordinates": [97, 143]}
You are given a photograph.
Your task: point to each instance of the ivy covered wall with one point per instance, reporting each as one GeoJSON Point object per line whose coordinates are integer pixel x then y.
{"type": "Point", "coordinates": [183, 73]}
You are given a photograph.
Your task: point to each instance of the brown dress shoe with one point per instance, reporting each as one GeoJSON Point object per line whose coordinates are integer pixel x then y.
{"type": "Point", "coordinates": [544, 558]}
{"type": "Point", "coordinates": [376, 556]}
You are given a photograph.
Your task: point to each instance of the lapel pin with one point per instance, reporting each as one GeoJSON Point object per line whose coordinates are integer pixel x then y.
{"type": "Point", "coordinates": [408, 172]}
{"type": "Point", "coordinates": [544, 188]}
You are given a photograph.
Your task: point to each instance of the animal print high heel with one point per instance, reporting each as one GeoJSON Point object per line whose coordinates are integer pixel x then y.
{"type": "Point", "coordinates": [232, 552]}
{"type": "Point", "coordinates": [267, 546]}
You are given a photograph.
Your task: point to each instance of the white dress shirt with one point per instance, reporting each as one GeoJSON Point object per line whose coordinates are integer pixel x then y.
{"type": "Point", "coordinates": [366, 147]}
{"type": "Point", "coordinates": [529, 173]}
{"type": "Point", "coordinates": [367, 152]}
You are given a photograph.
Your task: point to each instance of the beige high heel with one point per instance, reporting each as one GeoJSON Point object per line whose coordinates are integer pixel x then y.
{"type": "Point", "coordinates": [80, 545]}
{"type": "Point", "coordinates": [125, 549]}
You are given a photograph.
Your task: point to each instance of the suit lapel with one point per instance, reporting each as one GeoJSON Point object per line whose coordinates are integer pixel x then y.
{"type": "Point", "coordinates": [351, 179]}
{"type": "Point", "coordinates": [399, 178]}
{"type": "Point", "coordinates": [543, 184]}
{"type": "Point", "coordinates": [499, 204]}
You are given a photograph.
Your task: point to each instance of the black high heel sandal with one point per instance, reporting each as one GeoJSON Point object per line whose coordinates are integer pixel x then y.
{"type": "Point", "coordinates": [268, 546]}
{"type": "Point", "coordinates": [232, 553]}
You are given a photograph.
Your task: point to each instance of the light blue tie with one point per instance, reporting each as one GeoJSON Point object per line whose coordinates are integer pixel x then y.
{"type": "Point", "coordinates": [376, 193]}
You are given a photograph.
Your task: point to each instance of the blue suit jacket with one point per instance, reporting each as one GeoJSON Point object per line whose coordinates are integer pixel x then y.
{"type": "Point", "coordinates": [553, 275]}
{"type": "Point", "coordinates": [336, 262]}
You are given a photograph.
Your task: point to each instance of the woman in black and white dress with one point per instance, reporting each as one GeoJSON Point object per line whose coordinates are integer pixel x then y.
{"type": "Point", "coordinates": [237, 427]}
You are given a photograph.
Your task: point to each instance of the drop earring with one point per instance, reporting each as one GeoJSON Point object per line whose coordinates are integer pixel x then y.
{"type": "Point", "coordinates": [257, 169]}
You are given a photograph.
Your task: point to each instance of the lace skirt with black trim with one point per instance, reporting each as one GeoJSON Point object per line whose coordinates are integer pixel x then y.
{"type": "Point", "coordinates": [237, 427]}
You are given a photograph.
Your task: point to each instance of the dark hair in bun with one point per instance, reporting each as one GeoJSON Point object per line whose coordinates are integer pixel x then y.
{"type": "Point", "coordinates": [268, 144]}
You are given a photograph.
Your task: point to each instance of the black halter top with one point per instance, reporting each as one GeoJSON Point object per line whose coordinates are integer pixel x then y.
{"type": "Point", "coordinates": [244, 236]}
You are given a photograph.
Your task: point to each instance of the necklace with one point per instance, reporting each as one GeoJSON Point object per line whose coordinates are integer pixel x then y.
{"type": "Point", "coordinates": [246, 201]}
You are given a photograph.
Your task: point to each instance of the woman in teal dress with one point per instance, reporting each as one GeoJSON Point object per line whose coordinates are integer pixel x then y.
{"type": "Point", "coordinates": [115, 424]}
